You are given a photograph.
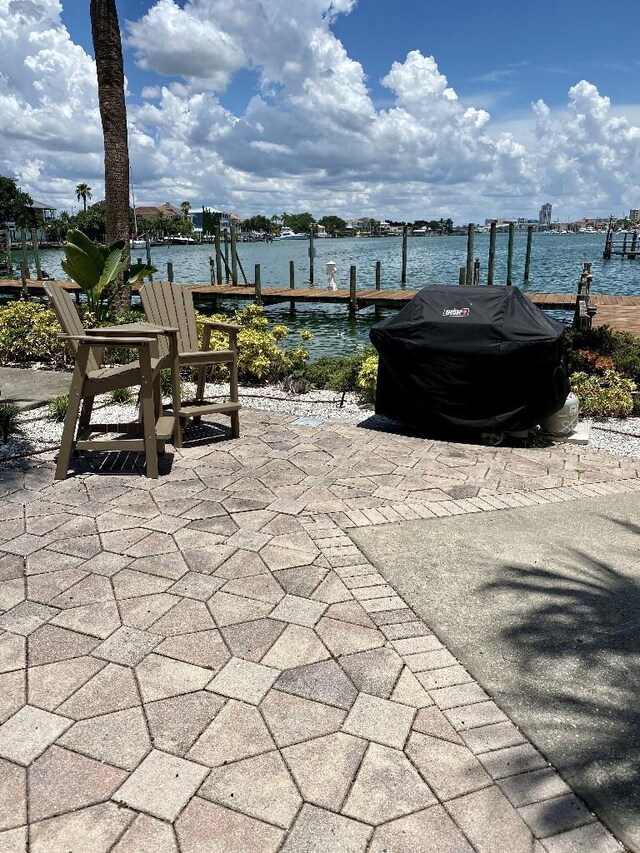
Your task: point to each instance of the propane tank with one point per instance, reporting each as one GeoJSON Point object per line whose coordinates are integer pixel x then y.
{"type": "Point", "coordinates": [564, 422]}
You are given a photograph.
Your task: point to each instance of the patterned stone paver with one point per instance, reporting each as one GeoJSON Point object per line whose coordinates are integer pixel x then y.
{"type": "Point", "coordinates": [214, 666]}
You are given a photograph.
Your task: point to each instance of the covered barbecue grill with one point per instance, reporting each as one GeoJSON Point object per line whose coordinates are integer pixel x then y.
{"type": "Point", "coordinates": [465, 360]}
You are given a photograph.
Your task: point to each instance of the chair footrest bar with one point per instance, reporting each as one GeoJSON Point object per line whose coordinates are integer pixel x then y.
{"type": "Point", "coordinates": [165, 425]}
{"type": "Point", "coordinates": [205, 408]}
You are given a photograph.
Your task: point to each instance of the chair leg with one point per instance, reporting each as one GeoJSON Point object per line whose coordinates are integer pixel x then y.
{"type": "Point", "coordinates": [85, 414]}
{"type": "Point", "coordinates": [148, 414]}
{"type": "Point", "coordinates": [235, 424]}
{"type": "Point", "coordinates": [69, 429]}
{"type": "Point", "coordinates": [202, 378]}
{"type": "Point", "coordinates": [157, 396]}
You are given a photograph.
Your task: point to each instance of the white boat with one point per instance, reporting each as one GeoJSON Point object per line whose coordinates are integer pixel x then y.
{"type": "Point", "coordinates": [289, 234]}
{"type": "Point", "coordinates": [137, 243]}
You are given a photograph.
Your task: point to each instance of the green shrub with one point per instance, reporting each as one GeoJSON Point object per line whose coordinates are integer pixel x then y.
{"type": "Point", "coordinates": [367, 378]}
{"type": "Point", "coordinates": [28, 332]}
{"type": "Point", "coordinates": [583, 347]}
{"type": "Point", "coordinates": [261, 358]}
{"type": "Point", "coordinates": [57, 408]}
{"type": "Point", "coordinates": [9, 421]}
{"type": "Point", "coordinates": [606, 396]}
{"type": "Point", "coordinates": [122, 395]}
{"type": "Point", "coordinates": [335, 373]}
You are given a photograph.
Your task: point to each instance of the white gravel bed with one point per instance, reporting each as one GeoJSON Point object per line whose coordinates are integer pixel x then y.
{"type": "Point", "coordinates": [39, 433]}
{"type": "Point", "coordinates": [613, 435]}
{"type": "Point", "coordinates": [616, 435]}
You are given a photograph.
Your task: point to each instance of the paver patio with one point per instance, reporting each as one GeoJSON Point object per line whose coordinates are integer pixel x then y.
{"type": "Point", "coordinates": [206, 662]}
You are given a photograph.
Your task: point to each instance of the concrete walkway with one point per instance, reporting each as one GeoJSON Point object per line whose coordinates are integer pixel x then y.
{"type": "Point", "coordinates": [547, 620]}
{"type": "Point", "coordinates": [207, 663]}
{"type": "Point", "coordinates": [29, 389]}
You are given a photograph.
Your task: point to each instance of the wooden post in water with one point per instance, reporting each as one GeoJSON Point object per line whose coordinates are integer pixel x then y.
{"type": "Point", "coordinates": [608, 241]}
{"type": "Point", "coordinates": [292, 284]}
{"type": "Point", "coordinates": [212, 270]}
{"type": "Point", "coordinates": [147, 245]}
{"type": "Point", "coordinates": [403, 279]}
{"type": "Point", "coordinates": [8, 251]}
{"type": "Point", "coordinates": [25, 257]}
{"type": "Point", "coordinates": [24, 275]}
{"type": "Point", "coordinates": [476, 271]}
{"type": "Point", "coordinates": [510, 254]}
{"type": "Point", "coordinates": [462, 277]}
{"type": "Point", "coordinates": [492, 253]}
{"type": "Point", "coordinates": [234, 257]}
{"type": "Point", "coordinates": [258, 283]}
{"type": "Point", "coordinates": [226, 256]}
{"type": "Point", "coordinates": [36, 252]}
{"type": "Point", "coordinates": [634, 243]}
{"type": "Point", "coordinates": [527, 257]}
{"type": "Point", "coordinates": [378, 284]}
{"type": "Point", "coordinates": [244, 277]}
{"type": "Point", "coordinates": [139, 260]}
{"type": "Point", "coordinates": [170, 272]}
{"type": "Point", "coordinates": [624, 245]}
{"type": "Point", "coordinates": [218, 252]}
{"type": "Point", "coordinates": [352, 291]}
{"type": "Point", "coordinates": [312, 254]}
{"type": "Point", "coordinates": [470, 236]}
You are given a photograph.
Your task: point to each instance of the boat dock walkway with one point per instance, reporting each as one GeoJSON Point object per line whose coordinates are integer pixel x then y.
{"type": "Point", "coordinates": [619, 312]}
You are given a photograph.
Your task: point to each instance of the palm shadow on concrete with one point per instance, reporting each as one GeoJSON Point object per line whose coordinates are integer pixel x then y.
{"type": "Point", "coordinates": [574, 684]}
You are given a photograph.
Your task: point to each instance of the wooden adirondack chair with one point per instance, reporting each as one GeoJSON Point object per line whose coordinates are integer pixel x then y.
{"type": "Point", "coordinates": [90, 378]}
{"type": "Point", "coordinates": [171, 305]}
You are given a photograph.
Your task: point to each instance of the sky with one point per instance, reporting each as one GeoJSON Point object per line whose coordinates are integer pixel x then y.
{"type": "Point", "coordinates": [403, 110]}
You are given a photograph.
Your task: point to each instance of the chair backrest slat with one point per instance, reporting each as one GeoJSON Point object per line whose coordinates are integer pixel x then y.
{"type": "Point", "coordinates": [68, 318]}
{"type": "Point", "coordinates": [171, 305]}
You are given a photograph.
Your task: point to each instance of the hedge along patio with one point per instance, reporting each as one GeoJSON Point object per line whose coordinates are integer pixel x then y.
{"type": "Point", "coordinates": [212, 662]}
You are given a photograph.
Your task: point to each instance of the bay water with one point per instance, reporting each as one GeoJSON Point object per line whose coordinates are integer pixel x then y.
{"type": "Point", "coordinates": [556, 264]}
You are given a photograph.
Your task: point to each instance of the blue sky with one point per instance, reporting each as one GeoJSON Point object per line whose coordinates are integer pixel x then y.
{"type": "Point", "coordinates": [402, 108]}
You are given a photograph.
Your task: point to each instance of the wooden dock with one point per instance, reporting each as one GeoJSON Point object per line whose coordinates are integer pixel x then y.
{"type": "Point", "coordinates": [619, 312]}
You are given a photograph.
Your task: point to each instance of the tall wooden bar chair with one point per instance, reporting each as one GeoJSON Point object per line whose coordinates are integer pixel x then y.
{"type": "Point", "coordinates": [90, 378]}
{"type": "Point", "coordinates": [166, 304]}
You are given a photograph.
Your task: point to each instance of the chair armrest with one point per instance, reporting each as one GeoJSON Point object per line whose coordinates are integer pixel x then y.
{"type": "Point", "coordinates": [222, 327]}
{"type": "Point", "coordinates": [134, 329]}
{"type": "Point", "coordinates": [107, 341]}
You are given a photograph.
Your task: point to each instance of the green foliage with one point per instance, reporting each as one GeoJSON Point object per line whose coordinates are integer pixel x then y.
{"type": "Point", "coordinates": [14, 204]}
{"type": "Point", "coordinates": [334, 225]}
{"type": "Point", "coordinates": [606, 396]}
{"type": "Point", "coordinates": [57, 408]}
{"type": "Point", "coordinates": [261, 359]}
{"type": "Point", "coordinates": [257, 223]}
{"type": "Point", "coordinates": [28, 332]}
{"type": "Point", "coordinates": [335, 373]}
{"type": "Point", "coordinates": [367, 378]}
{"type": "Point", "coordinates": [9, 421]}
{"type": "Point", "coordinates": [623, 348]}
{"type": "Point", "coordinates": [299, 222]}
{"type": "Point", "coordinates": [122, 395]}
{"type": "Point", "coordinates": [100, 271]}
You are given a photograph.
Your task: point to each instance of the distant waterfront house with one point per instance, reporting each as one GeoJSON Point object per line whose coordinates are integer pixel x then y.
{"type": "Point", "coordinates": [226, 220]}
{"type": "Point", "coordinates": [165, 209]}
{"type": "Point", "coordinates": [42, 213]}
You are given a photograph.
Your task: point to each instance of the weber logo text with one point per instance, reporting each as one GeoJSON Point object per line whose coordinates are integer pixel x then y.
{"type": "Point", "coordinates": [456, 312]}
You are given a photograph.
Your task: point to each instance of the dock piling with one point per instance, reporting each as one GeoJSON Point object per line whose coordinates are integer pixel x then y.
{"type": "Point", "coordinates": [512, 230]}
{"type": "Point", "coordinates": [403, 279]}
{"type": "Point", "coordinates": [226, 257]}
{"type": "Point", "coordinates": [292, 284]}
{"type": "Point", "coordinates": [352, 291]}
{"type": "Point", "coordinates": [36, 252]}
{"type": "Point", "coordinates": [476, 271]}
{"type": "Point", "coordinates": [258, 283]}
{"type": "Point", "coordinates": [170, 272]}
{"type": "Point", "coordinates": [462, 277]}
{"type": "Point", "coordinates": [470, 237]}
{"type": "Point", "coordinates": [492, 253]}
{"type": "Point", "coordinates": [234, 257]}
{"type": "Point", "coordinates": [527, 259]}
{"type": "Point", "coordinates": [147, 245]}
{"type": "Point", "coordinates": [312, 254]}
{"type": "Point", "coordinates": [218, 250]}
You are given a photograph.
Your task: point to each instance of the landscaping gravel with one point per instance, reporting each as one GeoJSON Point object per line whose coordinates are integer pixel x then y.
{"type": "Point", "coordinates": [613, 435]}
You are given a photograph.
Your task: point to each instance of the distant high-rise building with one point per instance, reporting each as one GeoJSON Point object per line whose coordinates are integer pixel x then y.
{"type": "Point", "coordinates": [634, 214]}
{"type": "Point", "coordinates": [544, 217]}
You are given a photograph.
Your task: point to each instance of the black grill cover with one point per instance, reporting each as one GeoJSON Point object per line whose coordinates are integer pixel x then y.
{"type": "Point", "coordinates": [469, 359]}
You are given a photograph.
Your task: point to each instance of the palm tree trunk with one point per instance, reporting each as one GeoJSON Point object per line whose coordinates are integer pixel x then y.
{"type": "Point", "coordinates": [107, 45]}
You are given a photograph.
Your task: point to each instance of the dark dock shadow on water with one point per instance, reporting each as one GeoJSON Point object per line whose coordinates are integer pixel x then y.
{"type": "Point", "coordinates": [574, 684]}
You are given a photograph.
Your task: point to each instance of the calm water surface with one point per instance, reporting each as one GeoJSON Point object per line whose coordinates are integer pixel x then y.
{"type": "Point", "coordinates": [556, 264]}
